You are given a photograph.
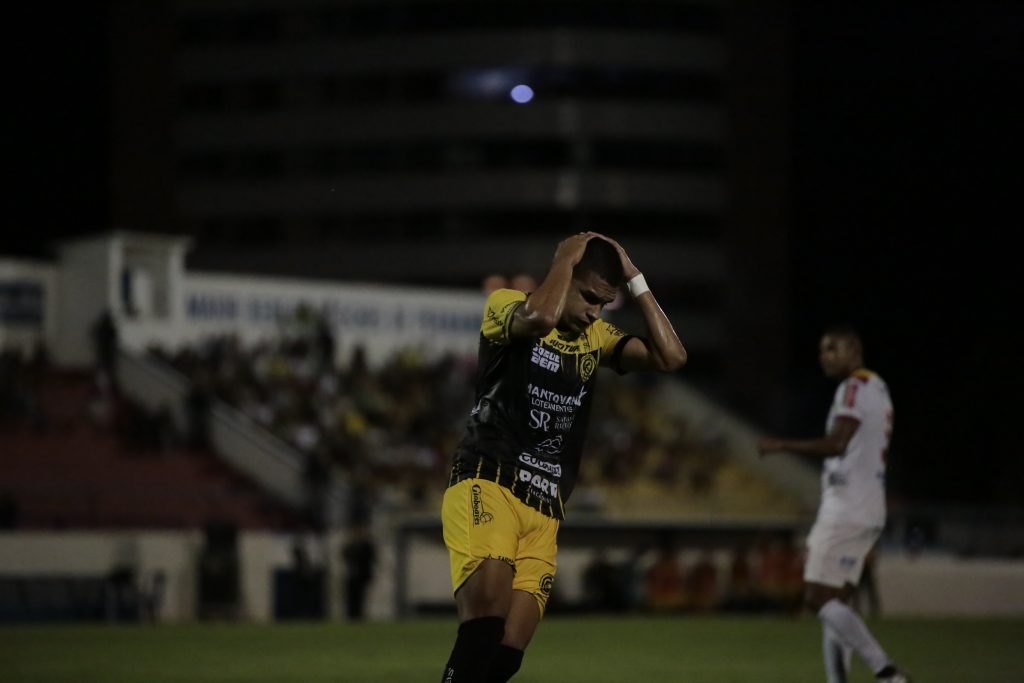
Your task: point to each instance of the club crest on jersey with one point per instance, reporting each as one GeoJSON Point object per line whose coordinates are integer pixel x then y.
{"type": "Point", "coordinates": [585, 365]}
{"type": "Point", "coordinates": [546, 583]}
{"type": "Point", "coordinates": [549, 360]}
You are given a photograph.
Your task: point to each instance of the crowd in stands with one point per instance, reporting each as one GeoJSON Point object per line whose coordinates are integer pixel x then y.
{"type": "Point", "coordinates": [28, 380]}
{"type": "Point", "coordinates": [391, 429]}
{"type": "Point", "coordinates": [388, 429]}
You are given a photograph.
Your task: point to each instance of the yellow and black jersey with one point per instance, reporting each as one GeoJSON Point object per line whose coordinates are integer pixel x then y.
{"type": "Point", "coordinates": [533, 395]}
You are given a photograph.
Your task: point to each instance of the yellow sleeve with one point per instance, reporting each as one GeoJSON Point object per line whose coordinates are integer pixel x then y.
{"type": "Point", "coordinates": [608, 337]}
{"type": "Point", "coordinates": [498, 311]}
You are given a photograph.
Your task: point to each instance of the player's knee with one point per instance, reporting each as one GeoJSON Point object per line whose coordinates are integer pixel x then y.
{"type": "Point", "coordinates": [815, 596]}
{"type": "Point", "coordinates": [488, 592]}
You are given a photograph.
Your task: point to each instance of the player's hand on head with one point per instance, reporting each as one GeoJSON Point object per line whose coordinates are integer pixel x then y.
{"type": "Point", "coordinates": [628, 269]}
{"type": "Point", "coordinates": [571, 248]}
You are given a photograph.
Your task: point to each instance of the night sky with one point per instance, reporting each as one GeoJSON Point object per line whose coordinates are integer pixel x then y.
{"type": "Point", "coordinates": [906, 186]}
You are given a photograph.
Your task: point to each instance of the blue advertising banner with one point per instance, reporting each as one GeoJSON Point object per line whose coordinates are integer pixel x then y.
{"type": "Point", "coordinates": [21, 302]}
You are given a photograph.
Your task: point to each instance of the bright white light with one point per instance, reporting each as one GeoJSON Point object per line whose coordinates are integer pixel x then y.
{"type": "Point", "coordinates": [522, 94]}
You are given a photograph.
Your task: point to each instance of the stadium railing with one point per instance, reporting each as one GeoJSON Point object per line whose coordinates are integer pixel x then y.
{"type": "Point", "coordinates": [250, 449]}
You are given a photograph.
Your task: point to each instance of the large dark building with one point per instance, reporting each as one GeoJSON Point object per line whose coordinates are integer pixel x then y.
{"type": "Point", "coordinates": [437, 141]}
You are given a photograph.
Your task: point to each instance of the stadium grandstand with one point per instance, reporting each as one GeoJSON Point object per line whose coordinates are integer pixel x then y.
{"type": "Point", "coordinates": [185, 403]}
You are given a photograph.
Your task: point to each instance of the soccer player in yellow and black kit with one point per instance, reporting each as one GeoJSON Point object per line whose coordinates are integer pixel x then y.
{"type": "Point", "coordinates": [517, 464]}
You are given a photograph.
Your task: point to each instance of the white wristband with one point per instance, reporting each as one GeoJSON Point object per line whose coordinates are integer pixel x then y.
{"type": "Point", "coordinates": [637, 285]}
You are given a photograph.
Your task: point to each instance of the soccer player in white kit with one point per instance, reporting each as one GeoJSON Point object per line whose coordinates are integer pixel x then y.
{"type": "Point", "coordinates": [852, 511]}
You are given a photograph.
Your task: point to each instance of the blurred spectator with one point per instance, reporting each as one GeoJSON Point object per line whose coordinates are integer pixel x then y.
{"type": "Point", "coordinates": [325, 344]}
{"type": "Point", "coordinates": [523, 282]}
{"type": "Point", "coordinates": [317, 481]}
{"type": "Point", "coordinates": [121, 590]}
{"type": "Point", "coordinates": [307, 577]}
{"type": "Point", "coordinates": [793, 582]}
{"type": "Point", "coordinates": [665, 587]}
{"type": "Point", "coordinates": [197, 410]}
{"type": "Point", "coordinates": [105, 344]}
{"type": "Point", "coordinates": [702, 584]}
{"type": "Point", "coordinates": [494, 282]}
{"type": "Point", "coordinates": [151, 596]}
{"type": "Point", "coordinates": [740, 593]}
{"type": "Point", "coordinates": [632, 579]}
{"type": "Point", "coordinates": [602, 585]}
{"type": "Point", "coordinates": [121, 594]}
{"type": "Point", "coordinates": [772, 571]}
{"type": "Point", "coordinates": [359, 556]}
{"type": "Point", "coordinates": [219, 573]}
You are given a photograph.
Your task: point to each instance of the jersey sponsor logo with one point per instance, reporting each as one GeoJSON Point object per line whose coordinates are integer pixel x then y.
{"type": "Point", "coordinates": [541, 484]}
{"type": "Point", "coordinates": [480, 516]}
{"type": "Point", "coordinates": [539, 419]}
{"type": "Point", "coordinates": [546, 583]}
{"type": "Point", "coordinates": [614, 330]}
{"type": "Point", "coordinates": [563, 423]}
{"type": "Point", "coordinates": [552, 446]}
{"type": "Point", "coordinates": [585, 365]}
{"type": "Point", "coordinates": [541, 395]}
{"type": "Point", "coordinates": [847, 562]}
{"type": "Point", "coordinates": [549, 360]}
{"type": "Point", "coordinates": [563, 346]}
{"type": "Point", "coordinates": [493, 319]}
{"type": "Point", "coordinates": [552, 468]}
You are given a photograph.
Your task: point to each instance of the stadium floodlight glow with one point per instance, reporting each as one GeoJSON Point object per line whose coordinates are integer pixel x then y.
{"type": "Point", "coordinates": [522, 93]}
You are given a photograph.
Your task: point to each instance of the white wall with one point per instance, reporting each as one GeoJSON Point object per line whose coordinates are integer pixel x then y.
{"type": "Point", "coordinates": [923, 586]}
{"type": "Point", "coordinates": [86, 286]}
{"type": "Point", "coordinates": [95, 554]}
{"type": "Point", "coordinates": [177, 307]}
{"type": "Point", "coordinates": [937, 585]}
{"type": "Point", "coordinates": [382, 318]}
{"type": "Point", "coordinates": [176, 553]}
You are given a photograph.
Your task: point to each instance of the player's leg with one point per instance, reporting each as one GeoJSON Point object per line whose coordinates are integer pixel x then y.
{"type": "Point", "coordinates": [520, 625]}
{"type": "Point", "coordinates": [837, 656]}
{"type": "Point", "coordinates": [834, 563]}
{"type": "Point", "coordinates": [486, 593]}
{"type": "Point", "coordinates": [535, 575]}
{"type": "Point", "coordinates": [481, 533]}
{"type": "Point", "coordinates": [836, 653]}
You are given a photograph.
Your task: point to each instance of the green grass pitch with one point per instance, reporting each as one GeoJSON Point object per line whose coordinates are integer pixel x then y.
{"type": "Point", "coordinates": [565, 650]}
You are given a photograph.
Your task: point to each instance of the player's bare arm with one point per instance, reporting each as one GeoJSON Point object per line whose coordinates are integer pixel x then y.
{"type": "Point", "coordinates": [832, 444]}
{"type": "Point", "coordinates": [543, 309]}
{"type": "Point", "coordinates": [662, 351]}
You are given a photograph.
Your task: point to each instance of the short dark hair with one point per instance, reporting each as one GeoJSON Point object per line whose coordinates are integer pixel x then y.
{"type": "Point", "coordinates": [602, 258]}
{"type": "Point", "coordinates": [845, 331]}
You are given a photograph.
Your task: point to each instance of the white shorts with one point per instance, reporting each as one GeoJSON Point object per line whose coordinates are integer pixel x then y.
{"type": "Point", "coordinates": [836, 552]}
